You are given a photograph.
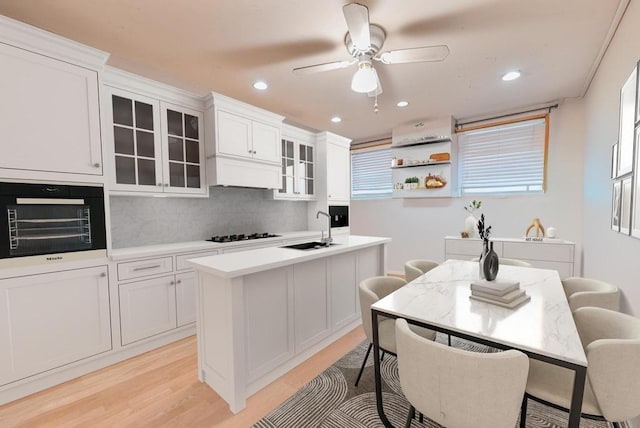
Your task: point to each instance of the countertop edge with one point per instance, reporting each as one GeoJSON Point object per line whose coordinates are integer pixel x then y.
{"type": "Point", "coordinates": [303, 257]}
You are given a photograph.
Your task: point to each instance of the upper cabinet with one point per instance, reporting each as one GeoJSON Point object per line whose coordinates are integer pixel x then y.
{"type": "Point", "coordinates": [297, 165]}
{"type": "Point", "coordinates": [49, 106]}
{"type": "Point", "coordinates": [155, 140]}
{"type": "Point", "coordinates": [244, 147]}
{"type": "Point", "coordinates": [424, 159]}
{"type": "Point", "coordinates": [338, 172]}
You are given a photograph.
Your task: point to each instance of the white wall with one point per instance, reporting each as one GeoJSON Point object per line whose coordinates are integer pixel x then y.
{"type": "Point", "coordinates": [418, 226]}
{"type": "Point", "coordinates": [609, 255]}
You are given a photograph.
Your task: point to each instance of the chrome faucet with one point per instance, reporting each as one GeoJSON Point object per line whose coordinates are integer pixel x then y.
{"type": "Point", "coordinates": [328, 240]}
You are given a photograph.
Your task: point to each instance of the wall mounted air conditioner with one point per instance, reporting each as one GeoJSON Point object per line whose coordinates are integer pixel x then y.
{"type": "Point", "coordinates": [423, 131]}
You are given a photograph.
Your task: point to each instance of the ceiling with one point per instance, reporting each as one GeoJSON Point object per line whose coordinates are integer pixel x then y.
{"type": "Point", "coordinates": [225, 45]}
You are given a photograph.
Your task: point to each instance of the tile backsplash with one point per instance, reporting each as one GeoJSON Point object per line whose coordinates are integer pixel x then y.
{"type": "Point", "coordinates": [139, 221]}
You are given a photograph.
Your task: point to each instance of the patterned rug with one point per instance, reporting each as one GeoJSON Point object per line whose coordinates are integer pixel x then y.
{"type": "Point", "coordinates": [332, 401]}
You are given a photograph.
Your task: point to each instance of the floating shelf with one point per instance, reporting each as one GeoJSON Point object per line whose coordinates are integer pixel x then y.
{"type": "Point", "coordinates": [422, 164]}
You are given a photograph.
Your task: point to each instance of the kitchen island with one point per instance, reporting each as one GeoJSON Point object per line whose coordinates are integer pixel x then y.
{"type": "Point", "coordinates": [262, 312]}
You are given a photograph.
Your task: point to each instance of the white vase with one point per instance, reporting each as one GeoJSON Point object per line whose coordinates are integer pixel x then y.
{"type": "Point", "coordinates": [471, 226]}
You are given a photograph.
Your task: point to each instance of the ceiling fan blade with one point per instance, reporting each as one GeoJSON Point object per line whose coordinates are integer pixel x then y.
{"type": "Point", "coordinates": [357, 17]}
{"type": "Point", "coordinates": [378, 90]}
{"type": "Point", "coordinates": [423, 54]}
{"type": "Point", "coordinates": [319, 68]}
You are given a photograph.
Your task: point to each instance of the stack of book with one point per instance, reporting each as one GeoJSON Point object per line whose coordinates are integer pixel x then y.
{"type": "Point", "coordinates": [499, 292]}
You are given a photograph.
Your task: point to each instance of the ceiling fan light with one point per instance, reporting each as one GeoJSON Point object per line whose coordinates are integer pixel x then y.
{"type": "Point", "coordinates": [364, 80]}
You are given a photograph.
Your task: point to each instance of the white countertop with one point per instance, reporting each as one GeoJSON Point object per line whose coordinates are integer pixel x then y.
{"type": "Point", "coordinates": [243, 263]}
{"type": "Point", "coordinates": [543, 325]}
{"type": "Point", "coordinates": [194, 246]}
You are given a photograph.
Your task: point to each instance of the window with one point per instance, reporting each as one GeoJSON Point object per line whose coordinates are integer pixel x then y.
{"type": "Point", "coordinates": [501, 159]}
{"type": "Point", "coordinates": [371, 173]}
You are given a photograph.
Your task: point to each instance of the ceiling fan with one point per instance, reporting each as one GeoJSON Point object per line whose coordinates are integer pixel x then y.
{"type": "Point", "coordinates": [364, 42]}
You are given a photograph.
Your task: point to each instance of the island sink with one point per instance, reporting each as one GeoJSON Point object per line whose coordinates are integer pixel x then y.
{"type": "Point", "coordinates": [308, 245]}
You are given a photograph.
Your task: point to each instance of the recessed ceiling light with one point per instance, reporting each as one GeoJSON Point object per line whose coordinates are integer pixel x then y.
{"type": "Point", "coordinates": [512, 75]}
{"type": "Point", "coordinates": [260, 85]}
{"type": "Point", "coordinates": [336, 119]}
{"type": "Point", "coordinates": [402, 103]}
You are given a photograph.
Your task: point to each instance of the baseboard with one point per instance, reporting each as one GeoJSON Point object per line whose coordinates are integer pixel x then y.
{"type": "Point", "coordinates": [53, 377]}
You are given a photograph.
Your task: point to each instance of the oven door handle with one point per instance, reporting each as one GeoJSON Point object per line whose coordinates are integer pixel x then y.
{"type": "Point", "coordinates": [49, 201]}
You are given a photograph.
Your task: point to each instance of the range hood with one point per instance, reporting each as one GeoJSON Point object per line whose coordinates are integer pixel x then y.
{"type": "Point", "coordinates": [423, 131]}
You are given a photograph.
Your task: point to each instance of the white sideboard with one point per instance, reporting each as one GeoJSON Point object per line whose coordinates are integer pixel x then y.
{"type": "Point", "coordinates": [546, 254]}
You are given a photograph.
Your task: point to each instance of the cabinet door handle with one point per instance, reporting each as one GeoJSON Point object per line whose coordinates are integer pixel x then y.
{"type": "Point", "coordinates": [172, 283]}
{"type": "Point", "coordinates": [146, 267]}
{"type": "Point", "coordinates": [249, 151]}
{"type": "Point", "coordinates": [166, 184]}
{"type": "Point", "coordinates": [179, 281]}
{"type": "Point", "coordinates": [254, 152]}
{"type": "Point", "coordinates": [103, 274]}
{"type": "Point", "coordinates": [96, 165]}
{"type": "Point", "coordinates": [159, 184]}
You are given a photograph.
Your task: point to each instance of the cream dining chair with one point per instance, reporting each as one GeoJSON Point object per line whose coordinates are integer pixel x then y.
{"type": "Point", "coordinates": [371, 290]}
{"type": "Point", "coordinates": [611, 341]}
{"type": "Point", "coordinates": [582, 292]}
{"type": "Point", "coordinates": [415, 268]}
{"type": "Point", "coordinates": [458, 388]}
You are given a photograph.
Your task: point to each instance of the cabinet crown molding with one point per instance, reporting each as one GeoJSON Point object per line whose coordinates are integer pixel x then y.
{"type": "Point", "coordinates": [216, 100]}
{"type": "Point", "coordinates": [151, 88]}
{"type": "Point", "coordinates": [330, 137]}
{"type": "Point", "coordinates": [298, 133]}
{"type": "Point", "coordinates": [28, 37]}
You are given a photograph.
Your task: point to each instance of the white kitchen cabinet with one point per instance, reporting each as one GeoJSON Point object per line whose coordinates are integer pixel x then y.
{"type": "Point", "coordinates": [49, 106]}
{"type": "Point", "coordinates": [344, 289]}
{"type": "Point", "coordinates": [553, 254]}
{"type": "Point", "coordinates": [333, 177]}
{"type": "Point", "coordinates": [312, 310]}
{"type": "Point", "coordinates": [147, 308]}
{"type": "Point", "coordinates": [243, 146]}
{"type": "Point", "coordinates": [52, 319]}
{"type": "Point", "coordinates": [338, 173]}
{"type": "Point", "coordinates": [185, 298]}
{"type": "Point", "coordinates": [298, 165]}
{"type": "Point", "coordinates": [156, 143]}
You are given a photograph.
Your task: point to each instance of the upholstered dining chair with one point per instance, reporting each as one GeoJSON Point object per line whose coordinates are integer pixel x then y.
{"type": "Point", "coordinates": [458, 388]}
{"type": "Point", "coordinates": [415, 268]}
{"type": "Point", "coordinates": [591, 292]}
{"type": "Point", "coordinates": [611, 341]}
{"type": "Point", "coordinates": [509, 262]}
{"type": "Point", "coordinates": [371, 290]}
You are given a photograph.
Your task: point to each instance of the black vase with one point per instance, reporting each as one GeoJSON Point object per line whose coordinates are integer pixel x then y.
{"type": "Point", "coordinates": [490, 264]}
{"type": "Point", "coordinates": [483, 255]}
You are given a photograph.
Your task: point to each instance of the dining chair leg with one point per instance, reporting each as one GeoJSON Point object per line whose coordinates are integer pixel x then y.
{"type": "Point", "coordinates": [421, 417]}
{"type": "Point", "coordinates": [366, 357]}
{"type": "Point", "coordinates": [449, 339]}
{"type": "Point", "coordinates": [411, 415]}
{"type": "Point", "coordinates": [523, 412]}
{"type": "Point", "coordinates": [382, 357]}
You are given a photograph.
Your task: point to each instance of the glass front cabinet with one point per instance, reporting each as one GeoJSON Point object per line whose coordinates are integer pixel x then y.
{"type": "Point", "coordinates": [298, 168]}
{"type": "Point", "coordinates": [157, 147]}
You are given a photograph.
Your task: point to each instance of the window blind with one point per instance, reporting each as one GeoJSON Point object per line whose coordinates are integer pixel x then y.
{"type": "Point", "coordinates": [503, 159]}
{"type": "Point", "coordinates": [371, 174]}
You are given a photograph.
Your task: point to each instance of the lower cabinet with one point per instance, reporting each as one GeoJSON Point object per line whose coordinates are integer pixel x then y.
{"type": "Point", "coordinates": [52, 319]}
{"type": "Point", "coordinates": [290, 309]}
{"type": "Point", "coordinates": [157, 305]}
{"type": "Point", "coordinates": [147, 308]}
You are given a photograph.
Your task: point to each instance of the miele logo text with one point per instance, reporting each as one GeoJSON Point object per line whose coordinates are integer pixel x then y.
{"type": "Point", "coordinates": [54, 258]}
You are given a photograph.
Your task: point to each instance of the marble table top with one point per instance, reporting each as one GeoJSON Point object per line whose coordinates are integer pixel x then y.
{"type": "Point", "coordinates": [544, 325]}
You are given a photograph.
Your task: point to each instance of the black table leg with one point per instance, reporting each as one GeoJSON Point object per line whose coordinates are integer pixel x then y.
{"type": "Point", "coordinates": [376, 366]}
{"type": "Point", "coordinates": [576, 397]}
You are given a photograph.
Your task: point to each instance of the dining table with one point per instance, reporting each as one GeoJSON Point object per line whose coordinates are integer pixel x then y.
{"type": "Point", "coordinates": [543, 327]}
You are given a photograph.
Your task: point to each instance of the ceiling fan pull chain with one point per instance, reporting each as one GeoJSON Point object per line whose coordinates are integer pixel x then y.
{"type": "Point", "coordinates": [375, 105]}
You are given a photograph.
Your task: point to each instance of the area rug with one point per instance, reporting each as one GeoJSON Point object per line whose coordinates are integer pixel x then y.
{"type": "Point", "coordinates": [332, 401]}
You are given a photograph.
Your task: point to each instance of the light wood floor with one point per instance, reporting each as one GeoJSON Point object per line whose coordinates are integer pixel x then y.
{"type": "Point", "coordinates": [159, 389]}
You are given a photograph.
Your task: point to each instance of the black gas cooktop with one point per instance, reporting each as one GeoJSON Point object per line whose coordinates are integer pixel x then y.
{"type": "Point", "coordinates": [241, 237]}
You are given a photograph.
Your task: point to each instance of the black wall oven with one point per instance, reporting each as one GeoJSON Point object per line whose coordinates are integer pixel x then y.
{"type": "Point", "coordinates": [51, 221]}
